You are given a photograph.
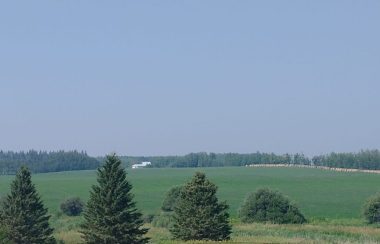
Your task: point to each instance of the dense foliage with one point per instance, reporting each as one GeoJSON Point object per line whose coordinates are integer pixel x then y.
{"type": "Point", "coordinates": [40, 162]}
{"type": "Point", "coordinates": [23, 213]}
{"type": "Point", "coordinates": [372, 209]}
{"type": "Point", "coordinates": [111, 215]}
{"type": "Point", "coordinates": [269, 206]}
{"type": "Point", "coordinates": [72, 206]}
{"type": "Point", "coordinates": [171, 198]}
{"type": "Point", "coordinates": [198, 215]}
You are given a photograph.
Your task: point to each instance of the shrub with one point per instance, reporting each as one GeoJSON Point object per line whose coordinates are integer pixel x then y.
{"type": "Point", "coordinates": [371, 209]}
{"type": "Point", "coordinates": [269, 206]}
{"type": "Point", "coordinates": [171, 198]}
{"type": "Point", "coordinates": [198, 215]}
{"type": "Point", "coordinates": [164, 220]}
{"type": "Point", "coordinates": [72, 206]}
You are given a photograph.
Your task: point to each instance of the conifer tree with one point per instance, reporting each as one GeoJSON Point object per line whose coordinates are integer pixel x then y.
{"type": "Point", "coordinates": [111, 215]}
{"type": "Point", "coordinates": [23, 214]}
{"type": "Point", "coordinates": [198, 215]}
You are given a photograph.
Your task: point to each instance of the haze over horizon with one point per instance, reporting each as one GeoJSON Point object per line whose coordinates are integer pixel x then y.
{"type": "Point", "coordinates": [174, 77]}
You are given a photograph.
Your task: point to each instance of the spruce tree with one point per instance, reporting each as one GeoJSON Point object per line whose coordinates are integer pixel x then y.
{"type": "Point", "coordinates": [23, 214]}
{"type": "Point", "coordinates": [111, 215]}
{"type": "Point", "coordinates": [198, 215]}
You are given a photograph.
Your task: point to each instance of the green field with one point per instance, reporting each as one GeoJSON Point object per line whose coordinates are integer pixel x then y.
{"type": "Point", "coordinates": [323, 196]}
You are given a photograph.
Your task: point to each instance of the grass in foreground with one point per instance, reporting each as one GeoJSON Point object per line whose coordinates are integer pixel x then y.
{"type": "Point", "coordinates": [269, 233]}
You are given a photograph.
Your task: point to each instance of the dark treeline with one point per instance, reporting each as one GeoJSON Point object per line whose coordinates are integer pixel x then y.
{"type": "Point", "coordinates": [203, 159]}
{"type": "Point", "coordinates": [366, 159]}
{"type": "Point", "coordinates": [41, 161]}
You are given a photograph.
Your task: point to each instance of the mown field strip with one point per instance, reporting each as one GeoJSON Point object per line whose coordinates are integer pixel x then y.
{"type": "Point", "coordinates": [313, 167]}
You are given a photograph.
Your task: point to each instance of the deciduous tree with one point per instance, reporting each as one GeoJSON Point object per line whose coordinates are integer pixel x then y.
{"type": "Point", "coordinates": [266, 205]}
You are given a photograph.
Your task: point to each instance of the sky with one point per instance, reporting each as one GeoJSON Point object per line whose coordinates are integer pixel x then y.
{"type": "Point", "coordinates": [174, 77]}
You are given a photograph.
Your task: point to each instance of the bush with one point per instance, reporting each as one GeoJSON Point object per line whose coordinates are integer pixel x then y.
{"type": "Point", "coordinates": [269, 206]}
{"type": "Point", "coordinates": [164, 220]}
{"type": "Point", "coordinates": [72, 206]}
{"type": "Point", "coordinates": [171, 199]}
{"type": "Point", "coordinates": [371, 209]}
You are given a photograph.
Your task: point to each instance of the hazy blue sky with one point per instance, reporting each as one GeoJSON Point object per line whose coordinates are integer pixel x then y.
{"type": "Point", "coordinates": [172, 77]}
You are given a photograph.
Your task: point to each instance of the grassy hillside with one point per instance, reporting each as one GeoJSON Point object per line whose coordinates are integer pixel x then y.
{"type": "Point", "coordinates": [322, 195]}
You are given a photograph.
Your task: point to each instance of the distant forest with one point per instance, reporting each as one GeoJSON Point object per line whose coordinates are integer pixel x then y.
{"type": "Point", "coordinates": [365, 159]}
{"type": "Point", "coordinates": [41, 161]}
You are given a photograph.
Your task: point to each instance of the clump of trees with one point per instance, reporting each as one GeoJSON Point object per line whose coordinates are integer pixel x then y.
{"type": "Point", "coordinates": [371, 209]}
{"type": "Point", "coordinates": [198, 215]}
{"type": "Point", "coordinates": [111, 215]}
{"type": "Point", "coordinates": [72, 206]}
{"type": "Point", "coordinates": [23, 215]}
{"type": "Point", "coordinates": [266, 205]}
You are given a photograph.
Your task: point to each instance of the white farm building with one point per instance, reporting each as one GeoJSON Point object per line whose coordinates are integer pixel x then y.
{"type": "Point", "coordinates": [141, 165]}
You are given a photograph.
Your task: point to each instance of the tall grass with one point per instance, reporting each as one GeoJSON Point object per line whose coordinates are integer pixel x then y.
{"type": "Point", "coordinates": [270, 233]}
